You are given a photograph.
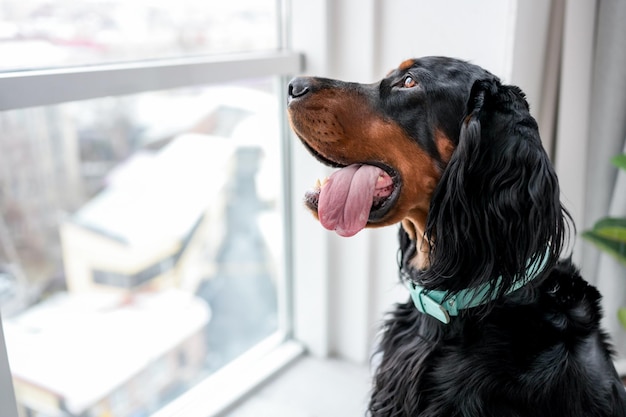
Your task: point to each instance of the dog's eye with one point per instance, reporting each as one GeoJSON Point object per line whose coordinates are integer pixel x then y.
{"type": "Point", "coordinates": [409, 82]}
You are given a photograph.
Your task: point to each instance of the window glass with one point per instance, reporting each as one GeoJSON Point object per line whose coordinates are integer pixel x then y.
{"type": "Point", "coordinates": [140, 244]}
{"type": "Point", "coordinates": [51, 33]}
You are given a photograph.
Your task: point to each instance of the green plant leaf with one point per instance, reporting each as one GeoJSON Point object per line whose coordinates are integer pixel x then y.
{"type": "Point", "coordinates": [614, 248]}
{"type": "Point", "coordinates": [619, 161]}
{"type": "Point", "coordinates": [621, 315]}
{"type": "Point", "coordinates": [611, 228]}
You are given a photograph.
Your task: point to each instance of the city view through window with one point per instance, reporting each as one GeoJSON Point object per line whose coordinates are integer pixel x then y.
{"type": "Point", "coordinates": [51, 33]}
{"type": "Point", "coordinates": [141, 236]}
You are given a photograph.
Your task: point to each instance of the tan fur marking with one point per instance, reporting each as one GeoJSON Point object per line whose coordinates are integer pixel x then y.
{"type": "Point", "coordinates": [409, 228]}
{"type": "Point", "coordinates": [420, 260]}
{"type": "Point", "coordinates": [445, 147]}
{"type": "Point", "coordinates": [405, 65]}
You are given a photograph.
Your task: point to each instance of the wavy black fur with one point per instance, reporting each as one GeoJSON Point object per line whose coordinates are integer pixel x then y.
{"type": "Point", "coordinates": [537, 352]}
{"type": "Point", "coordinates": [496, 208]}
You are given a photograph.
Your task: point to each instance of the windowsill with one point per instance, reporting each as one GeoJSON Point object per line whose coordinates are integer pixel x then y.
{"type": "Point", "coordinates": [307, 388]}
{"type": "Point", "coordinates": [230, 384]}
{"type": "Point", "coordinates": [277, 381]}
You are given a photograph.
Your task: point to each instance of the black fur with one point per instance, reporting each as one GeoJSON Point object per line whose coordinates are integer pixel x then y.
{"type": "Point", "coordinates": [538, 352]}
{"type": "Point", "coordinates": [497, 206]}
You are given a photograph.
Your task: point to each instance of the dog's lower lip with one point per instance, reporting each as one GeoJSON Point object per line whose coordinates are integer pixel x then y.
{"type": "Point", "coordinates": [378, 214]}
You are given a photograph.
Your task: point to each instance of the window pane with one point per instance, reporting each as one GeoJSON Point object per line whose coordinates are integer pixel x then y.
{"type": "Point", "coordinates": [43, 33]}
{"type": "Point", "coordinates": [140, 244]}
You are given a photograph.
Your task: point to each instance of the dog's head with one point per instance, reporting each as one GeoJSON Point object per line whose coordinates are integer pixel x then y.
{"type": "Point", "coordinates": [443, 147]}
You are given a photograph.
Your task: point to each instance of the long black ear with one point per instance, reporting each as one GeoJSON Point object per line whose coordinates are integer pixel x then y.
{"type": "Point", "coordinates": [496, 208]}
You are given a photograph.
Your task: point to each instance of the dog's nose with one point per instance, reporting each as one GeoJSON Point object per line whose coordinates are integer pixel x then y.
{"type": "Point", "coordinates": [298, 87]}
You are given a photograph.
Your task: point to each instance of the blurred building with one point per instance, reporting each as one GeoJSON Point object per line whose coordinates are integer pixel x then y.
{"type": "Point", "coordinates": [98, 355]}
{"type": "Point", "coordinates": [149, 226]}
{"type": "Point", "coordinates": [129, 333]}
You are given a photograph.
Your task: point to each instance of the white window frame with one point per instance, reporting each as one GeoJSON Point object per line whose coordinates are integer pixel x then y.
{"type": "Point", "coordinates": [23, 89]}
{"type": "Point", "coordinates": [33, 88]}
{"type": "Point", "coordinates": [7, 395]}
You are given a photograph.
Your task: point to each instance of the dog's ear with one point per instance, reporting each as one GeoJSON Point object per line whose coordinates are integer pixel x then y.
{"type": "Point", "coordinates": [496, 209]}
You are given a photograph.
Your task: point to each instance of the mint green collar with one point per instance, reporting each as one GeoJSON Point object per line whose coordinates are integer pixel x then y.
{"type": "Point", "coordinates": [441, 306]}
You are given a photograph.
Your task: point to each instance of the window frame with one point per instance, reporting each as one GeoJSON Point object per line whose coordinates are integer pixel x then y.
{"type": "Point", "coordinates": [32, 88]}
{"type": "Point", "coordinates": [43, 87]}
{"type": "Point", "coordinates": [8, 406]}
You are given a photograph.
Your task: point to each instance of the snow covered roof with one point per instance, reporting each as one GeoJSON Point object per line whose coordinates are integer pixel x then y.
{"type": "Point", "coordinates": [160, 196]}
{"type": "Point", "coordinates": [82, 346]}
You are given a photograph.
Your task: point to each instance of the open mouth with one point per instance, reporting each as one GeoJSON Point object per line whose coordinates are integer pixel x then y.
{"type": "Point", "coordinates": [353, 196]}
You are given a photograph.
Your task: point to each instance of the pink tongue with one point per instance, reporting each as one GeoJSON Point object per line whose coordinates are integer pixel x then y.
{"type": "Point", "coordinates": [346, 199]}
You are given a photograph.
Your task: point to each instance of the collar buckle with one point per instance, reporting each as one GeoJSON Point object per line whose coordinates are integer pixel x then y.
{"type": "Point", "coordinates": [428, 305]}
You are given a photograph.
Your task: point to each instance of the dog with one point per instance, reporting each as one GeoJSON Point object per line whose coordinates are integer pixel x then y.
{"type": "Point", "coordinates": [497, 322]}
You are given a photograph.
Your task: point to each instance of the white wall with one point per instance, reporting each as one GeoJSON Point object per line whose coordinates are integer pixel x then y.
{"type": "Point", "coordinates": [342, 286]}
{"type": "Point", "coordinates": [572, 132]}
{"type": "Point", "coordinates": [478, 31]}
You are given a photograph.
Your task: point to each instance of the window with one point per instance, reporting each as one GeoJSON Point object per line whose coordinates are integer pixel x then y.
{"type": "Point", "coordinates": [143, 215]}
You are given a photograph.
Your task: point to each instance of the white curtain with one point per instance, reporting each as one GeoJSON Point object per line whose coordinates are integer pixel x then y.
{"type": "Point", "coordinates": [605, 188]}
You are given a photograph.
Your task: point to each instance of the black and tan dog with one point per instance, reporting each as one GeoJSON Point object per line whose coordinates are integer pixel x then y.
{"type": "Point", "coordinates": [496, 324]}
